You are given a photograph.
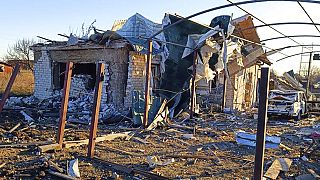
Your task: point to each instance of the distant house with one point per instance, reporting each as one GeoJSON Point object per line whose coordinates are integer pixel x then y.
{"type": "Point", "coordinates": [24, 64]}
{"type": "Point", "coordinates": [5, 67]}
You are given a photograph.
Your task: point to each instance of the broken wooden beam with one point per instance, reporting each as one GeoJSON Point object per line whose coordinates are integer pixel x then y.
{"type": "Point", "coordinates": [108, 137]}
{"type": "Point", "coordinates": [5, 95]}
{"type": "Point", "coordinates": [49, 147]}
{"type": "Point", "coordinates": [2, 165]}
{"type": "Point", "coordinates": [14, 128]}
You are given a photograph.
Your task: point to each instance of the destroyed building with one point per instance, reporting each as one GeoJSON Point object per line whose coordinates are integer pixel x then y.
{"type": "Point", "coordinates": [242, 91]}
{"type": "Point", "coordinates": [124, 68]}
{"type": "Point", "coordinates": [220, 48]}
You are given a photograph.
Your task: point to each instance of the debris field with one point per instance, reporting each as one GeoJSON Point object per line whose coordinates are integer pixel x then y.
{"type": "Point", "coordinates": [201, 148]}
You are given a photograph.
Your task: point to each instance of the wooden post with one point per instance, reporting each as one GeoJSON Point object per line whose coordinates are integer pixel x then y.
{"type": "Point", "coordinates": [223, 100]}
{"type": "Point", "coordinates": [193, 84]}
{"type": "Point", "coordinates": [147, 85]}
{"type": "Point", "coordinates": [262, 123]}
{"type": "Point", "coordinates": [64, 103]}
{"type": "Point", "coordinates": [5, 95]}
{"type": "Point", "coordinates": [96, 109]}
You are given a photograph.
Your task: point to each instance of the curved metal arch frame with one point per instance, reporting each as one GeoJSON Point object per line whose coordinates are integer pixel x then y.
{"type": "Point", "coordinates": [226, 6]}
{"type": "Point", "coordinates": [286, 47]}
{"type": "Point", "coordinates": [295, 55]}
{"type": "Point", "coordinates": [293, 36]}
{"type": "Point", "coordinates": [280, 23]}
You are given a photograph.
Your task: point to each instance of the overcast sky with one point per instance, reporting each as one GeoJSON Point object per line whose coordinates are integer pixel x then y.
{"type": "Point", "coordinates": [29, 18]}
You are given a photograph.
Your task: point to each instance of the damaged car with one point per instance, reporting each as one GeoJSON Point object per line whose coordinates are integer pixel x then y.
{"type": "Point", "coordinates": [287, 103]}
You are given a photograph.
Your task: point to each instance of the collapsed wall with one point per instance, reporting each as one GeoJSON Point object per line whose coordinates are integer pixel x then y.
{"type": "Point", "coordinates": [50, 66]}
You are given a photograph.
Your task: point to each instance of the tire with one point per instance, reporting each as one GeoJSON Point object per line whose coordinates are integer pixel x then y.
{"type": "Point", "coordinates": [298, 117]}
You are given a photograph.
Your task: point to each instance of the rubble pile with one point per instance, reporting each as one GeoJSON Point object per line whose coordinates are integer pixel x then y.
{"type": "Point", "coordinates": [79, 108]}
{"type": "Point", "coordinates": [80, 84]}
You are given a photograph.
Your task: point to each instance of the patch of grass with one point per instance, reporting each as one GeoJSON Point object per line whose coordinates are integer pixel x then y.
{"type": "Point", "coordinates": [22, 86]}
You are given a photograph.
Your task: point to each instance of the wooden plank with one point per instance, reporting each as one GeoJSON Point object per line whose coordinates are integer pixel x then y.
{"type": "Point", "coordinates": [5, 95]}
{"type": "Point", "coordinates": [2, 165]}
{"type": "Point", "coordinates": [96, 109]}
{"type": "Point", "coordinates": [280, 164]}
{"type": "Point", "coordinates": [108, 137]}
{"type": "Point", "coordinates": [49, 147]}
{"type": "Point", "coordinates": [64, 103]}
{"type": "Point", "coordinates": [14, 128]}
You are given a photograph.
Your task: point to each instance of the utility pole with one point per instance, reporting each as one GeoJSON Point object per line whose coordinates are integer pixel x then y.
{"type": "Point", "coordinates": [308, 76]}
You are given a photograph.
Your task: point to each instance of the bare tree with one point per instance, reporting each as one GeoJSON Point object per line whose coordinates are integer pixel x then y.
{"type": "Point", "coordinates": [314, 74]}
{"type": "Point", "coordinates": [21, 51]}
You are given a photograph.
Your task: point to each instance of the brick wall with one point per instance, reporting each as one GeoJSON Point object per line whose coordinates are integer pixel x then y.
{"type": "Point", "coordinates": [43, 76]}
{"type": "Point", "coordinates": [115, 79]}
{"type": "Point", "coordinates": [136, 75]}
{"type": "Point", "coordinates": [245, 96]}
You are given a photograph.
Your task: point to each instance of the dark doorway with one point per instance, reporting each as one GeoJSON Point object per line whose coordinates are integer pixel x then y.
{"type": "Point", "coordinates": [78, 68]}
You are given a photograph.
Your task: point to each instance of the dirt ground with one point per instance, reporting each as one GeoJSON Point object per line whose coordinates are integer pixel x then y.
{"type": "Point", "coordinates": [201, 148]}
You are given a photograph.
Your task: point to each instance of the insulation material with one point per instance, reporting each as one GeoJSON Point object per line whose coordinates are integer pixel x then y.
{"type": "Point", "coordinates": [232, 51]}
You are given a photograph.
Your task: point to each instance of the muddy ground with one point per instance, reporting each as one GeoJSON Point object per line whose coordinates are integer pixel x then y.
{"type": "Point", "coordinates": [211, 152]}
